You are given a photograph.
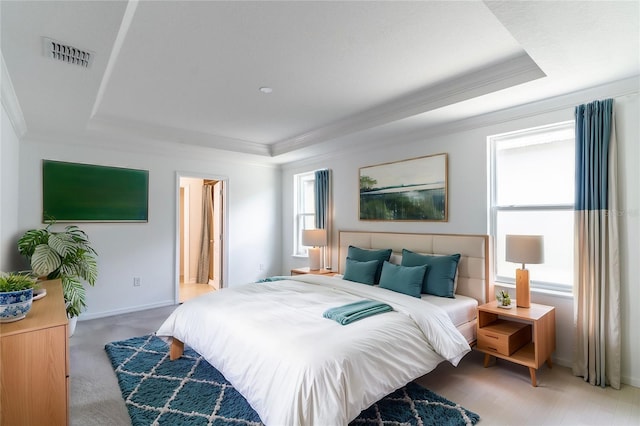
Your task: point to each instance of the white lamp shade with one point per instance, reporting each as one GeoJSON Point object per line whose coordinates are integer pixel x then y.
{"type": "Point", "coordinates": [314, 237]}
{"type": "Point", "coordinates": [525, 249]}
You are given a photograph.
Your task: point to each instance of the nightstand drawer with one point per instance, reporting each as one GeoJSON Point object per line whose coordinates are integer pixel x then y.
{"type": "Point", "coordinates": [504, 337]}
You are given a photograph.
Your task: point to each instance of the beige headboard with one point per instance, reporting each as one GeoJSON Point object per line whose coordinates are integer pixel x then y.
{"type": "Point", "coordinates": [473, 268]}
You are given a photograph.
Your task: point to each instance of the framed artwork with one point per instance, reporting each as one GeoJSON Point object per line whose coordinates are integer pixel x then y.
{"type": "Point", "coordinates": [408, 190]}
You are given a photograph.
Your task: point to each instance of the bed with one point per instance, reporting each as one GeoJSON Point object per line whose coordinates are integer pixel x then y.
{"type": "Point", "coordinates": [473, 286]}
{"type": "Point", "coordinates": [295, 367]}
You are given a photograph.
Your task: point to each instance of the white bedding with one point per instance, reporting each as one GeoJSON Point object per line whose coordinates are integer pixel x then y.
{"type": "Point", "coordinates": [461, 310]}
{"type": "Point", "coordinates": [297, 368]}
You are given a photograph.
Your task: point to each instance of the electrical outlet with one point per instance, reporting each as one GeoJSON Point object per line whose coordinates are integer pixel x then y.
{"type": "Point", "coordinates": [261, 267]}
{"type": "Point", "coordinates": [136, 281]}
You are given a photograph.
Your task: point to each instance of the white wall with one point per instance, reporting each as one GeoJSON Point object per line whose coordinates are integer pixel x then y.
{"type": "Point", "coordinates": [8, 194]}
{"type": "Point", "coordinates": [149, 250]}
{"type": "Point", "coordinates": [468, 197]}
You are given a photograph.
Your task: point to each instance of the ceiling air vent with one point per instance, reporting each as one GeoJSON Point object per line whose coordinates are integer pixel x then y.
{"type": "Point", "coordinates": [67, 53]}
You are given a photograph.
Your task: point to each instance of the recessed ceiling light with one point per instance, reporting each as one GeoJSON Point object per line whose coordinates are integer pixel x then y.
{"type": "Point", "coordinates": [265, 89]}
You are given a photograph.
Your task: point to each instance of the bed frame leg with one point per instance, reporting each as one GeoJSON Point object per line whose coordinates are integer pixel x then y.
{"type": "Point", "coordinates": [177, 348]}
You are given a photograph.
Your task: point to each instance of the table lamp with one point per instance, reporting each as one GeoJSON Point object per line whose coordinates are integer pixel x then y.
{"type": "Point", "coordinates": [524, 249]}
{"type": "Point", "coordinates": [314, 239]}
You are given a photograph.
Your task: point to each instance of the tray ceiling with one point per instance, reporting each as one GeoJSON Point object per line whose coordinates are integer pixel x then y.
{"type": "Point", "coordinates": [191, 72]}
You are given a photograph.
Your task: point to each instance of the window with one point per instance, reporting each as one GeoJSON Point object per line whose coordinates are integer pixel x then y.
{"type": "Point", "coordinates": [304, 209]}
{"type": "Point", "coordinates": [532, 192]}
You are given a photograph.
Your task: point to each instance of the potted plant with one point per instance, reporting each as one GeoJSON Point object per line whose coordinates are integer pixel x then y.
{"type": "Point", "coordinates": [16, 295]}
{"type": "Point", "coordinates": [504, 298]}
{"type": "Point", "coordinates": [66, 255]}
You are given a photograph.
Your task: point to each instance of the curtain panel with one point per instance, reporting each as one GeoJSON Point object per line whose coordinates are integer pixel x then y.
{"type": "Point", "coordinates": [597, 262]}
{"type": "Point", "coordinates": [204, 259]}
{"type": "Point", "coordinates": [323, 209]}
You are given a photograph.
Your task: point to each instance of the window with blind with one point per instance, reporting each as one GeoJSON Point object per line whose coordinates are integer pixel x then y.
{"type": "Point", "coordinates": [304, 209]}
{"type": "Point", "coordinates": [532, 175]}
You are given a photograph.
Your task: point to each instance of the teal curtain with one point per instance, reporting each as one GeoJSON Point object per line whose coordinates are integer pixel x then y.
{"type": "Point", "coordinates": [321, 197]}
{"type": "Point", "coordinates": [322, 189]}
{"type": "Point", "coordinates": [597, 262]}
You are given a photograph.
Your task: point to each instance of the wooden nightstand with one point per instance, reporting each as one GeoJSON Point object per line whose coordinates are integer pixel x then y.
{"type": "Point", "coordinates": [302, 271]}
{"type": "Point", "coordinates": [501, 333]}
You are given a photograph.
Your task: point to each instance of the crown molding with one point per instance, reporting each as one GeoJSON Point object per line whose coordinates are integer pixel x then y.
{"type": "Point", "coordinates": [616, 89]}
{"type": "Point", "coordinates": [567, 101]}
{"type": "Point", "coordinates": [149, 147]}
{"type": "Point", "coordinates": [128, 129]}
{"type": "Point", "coordinates": [10, 101]}
{"type": "Point", "coordinates": [513, 71]}
{"type": "Point", "coordinates": [498, 76]}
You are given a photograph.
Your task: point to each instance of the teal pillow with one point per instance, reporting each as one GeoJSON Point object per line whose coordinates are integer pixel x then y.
{"type": "Point", "coordinates": [403, 279]}
{"type": "Point", "coordinates": [361, 272]}
{"type": "Point", "coordinates": [441, 275]}
{"type": "Point", "coordinates": [364, 255]}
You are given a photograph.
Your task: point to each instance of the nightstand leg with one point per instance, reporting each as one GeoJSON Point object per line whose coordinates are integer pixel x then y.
{"type": "Point", "coordinates": [549, 362]}
{"type": "Point", "coordinates": [532, 373]}
{"type": "Point", "coordinates": [487, 360]}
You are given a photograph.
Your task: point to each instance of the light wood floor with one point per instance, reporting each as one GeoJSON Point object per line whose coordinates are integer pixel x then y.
{"type": "Point", "coordinates": [190, 290]}
{"type": "Point", "coordinates": [501, 394]}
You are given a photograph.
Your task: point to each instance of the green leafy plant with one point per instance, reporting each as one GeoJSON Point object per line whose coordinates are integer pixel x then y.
{"type": "Point", "coordinates": [16, 281]}
{"type": "Point", "coordinates": [66, 255]}
{"type": "Point", "coordinates": [504, 298]}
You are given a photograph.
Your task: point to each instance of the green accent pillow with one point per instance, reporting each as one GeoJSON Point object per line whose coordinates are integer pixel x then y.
{"type": "Point", "coordinates": [361, 272]}
{"type": "Point", "coordinates": [441, 275]}
{"type": "Point", "coordinates": [403, 279]}
{"type": "Point", "coordinates": [364, 255]}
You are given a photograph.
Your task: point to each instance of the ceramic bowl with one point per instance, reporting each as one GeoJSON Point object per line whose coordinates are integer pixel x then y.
{"type": "Point", "coordinates": [14, 305]}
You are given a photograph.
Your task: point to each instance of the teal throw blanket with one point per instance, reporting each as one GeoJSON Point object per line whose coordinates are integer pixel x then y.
{"type": "Point", "coordinates": [355, 311]}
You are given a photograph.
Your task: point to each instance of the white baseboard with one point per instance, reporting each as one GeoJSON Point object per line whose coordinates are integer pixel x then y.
{"type": "Point", "coordinates": [103, 314]}
{"type": "Point", "coordinates": [632, 381]}
{"type": "Point", "coordinates": [563, 362]}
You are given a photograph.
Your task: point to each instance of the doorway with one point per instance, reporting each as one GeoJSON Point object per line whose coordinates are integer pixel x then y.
{"type": "Point", "coordinates": [201, 224]}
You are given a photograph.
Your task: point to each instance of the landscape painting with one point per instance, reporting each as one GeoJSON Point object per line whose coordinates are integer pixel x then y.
{"type": "Point", "coordinates": [409, 190]}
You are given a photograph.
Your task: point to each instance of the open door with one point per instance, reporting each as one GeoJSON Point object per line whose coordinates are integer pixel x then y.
{"type": "Point", "coordinates": [190, 216]}
{"type": "Point", "coordinates": [215, 263]}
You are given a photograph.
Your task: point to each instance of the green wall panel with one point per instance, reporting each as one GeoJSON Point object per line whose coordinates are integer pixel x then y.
{"type": "Point", "coordinates": [73, 192]}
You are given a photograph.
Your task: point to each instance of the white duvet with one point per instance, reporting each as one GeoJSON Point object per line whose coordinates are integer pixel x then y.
{"type": "Point", "coordinates": [297, 368]}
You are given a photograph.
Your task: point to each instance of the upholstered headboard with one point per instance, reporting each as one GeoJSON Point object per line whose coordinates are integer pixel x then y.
{"type": "Point", "coordinates": [473, 268]}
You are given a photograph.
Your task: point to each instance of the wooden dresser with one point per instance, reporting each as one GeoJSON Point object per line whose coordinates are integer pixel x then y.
{"type": "Point", "coordinates": [34, 364]}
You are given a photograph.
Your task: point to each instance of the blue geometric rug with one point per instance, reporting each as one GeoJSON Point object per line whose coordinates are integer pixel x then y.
{"type": "Point", "coordinates": [189, 391]}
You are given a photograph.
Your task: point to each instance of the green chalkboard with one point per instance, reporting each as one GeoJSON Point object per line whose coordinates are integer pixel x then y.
{"type": "Point", "coordinates": [73, 192]}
